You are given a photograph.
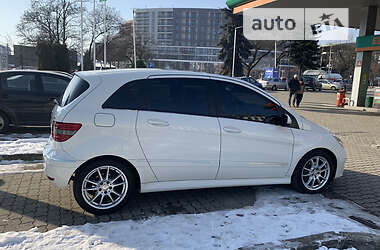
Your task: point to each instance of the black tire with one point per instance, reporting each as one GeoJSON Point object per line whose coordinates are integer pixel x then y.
{"type": "Point", "coordinates": [297, 181]}
{"type": "Point", "coordinates": [4, 123]}
{"type": "Point", "coordinates": [81, 175]}
{"type": "Point", "coordinates": [319, 89]}
{"type": "Point", "coordinates": [274, 87]}
{"type": "Point", "coordinates": [333, 88]}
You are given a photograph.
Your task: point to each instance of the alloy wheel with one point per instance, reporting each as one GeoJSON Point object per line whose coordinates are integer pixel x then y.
{"type": "Point", "coordinates": [316, 173]}
{"type": "Point", "coordinates": [104, 187]}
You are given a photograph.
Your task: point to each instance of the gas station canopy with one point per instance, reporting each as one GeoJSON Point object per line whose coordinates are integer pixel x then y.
{"type": "Point", "coordinates": [355, 6]}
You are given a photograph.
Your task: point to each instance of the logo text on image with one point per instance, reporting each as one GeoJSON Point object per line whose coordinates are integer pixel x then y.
{"type": "Point", "coordinates": [296, 24]}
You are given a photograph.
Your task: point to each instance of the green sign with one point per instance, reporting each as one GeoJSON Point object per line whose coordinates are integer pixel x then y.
{"type": "Point", "coordinates": [367, 43]}
{"type": "Point", "coordinates": [234, 3]}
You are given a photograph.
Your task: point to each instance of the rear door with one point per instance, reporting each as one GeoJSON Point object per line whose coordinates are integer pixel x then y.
{"type": "Point", "coordinates": [22, 94]}
{"type": "Point", "coordinates": [178, 131]}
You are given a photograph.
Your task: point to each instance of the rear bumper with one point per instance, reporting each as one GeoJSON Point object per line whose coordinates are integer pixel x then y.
{"type": "Point", "coordinates": [59, 166]}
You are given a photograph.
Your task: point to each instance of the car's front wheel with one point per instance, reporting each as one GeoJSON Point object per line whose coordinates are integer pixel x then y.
{"type": "Point", "coordinates": [4, 123]}
{"type": "Point", "coordinates": [274, 87]}
{"type": "Point", "coordinates": [313, 173]}
{"type": "Point", "coordinates": [103, 186]}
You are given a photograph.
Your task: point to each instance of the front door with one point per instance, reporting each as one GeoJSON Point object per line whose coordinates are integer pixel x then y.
{"type": "Point", "coordinates": [253, 146]}
{"type": "Point", "coordinates": [176, 129]}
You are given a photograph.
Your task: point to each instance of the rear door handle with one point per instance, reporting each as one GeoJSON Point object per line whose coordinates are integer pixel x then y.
{"type": "Point", "coordinates": [232, 130]}
{"type": "Point", "coordinates": [157, 122]}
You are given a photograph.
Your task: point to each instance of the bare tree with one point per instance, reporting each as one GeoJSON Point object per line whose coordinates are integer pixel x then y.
{"type": "Point", "coordinates": [344, 59]}
{"type": "Point", "coordinates": [54, 21]}
{"type": "Point", "coordinates": [113, 24]}
{"type": "Point", "coordinates": [260, 50]}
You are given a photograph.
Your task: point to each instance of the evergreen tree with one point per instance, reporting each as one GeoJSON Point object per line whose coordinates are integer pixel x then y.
{"type": "Point", "coordinates": [304, 54]}
{"type": "Point", "coordinates": [243, 46]}
{"type": "Point", "coordinates": [53, 56]}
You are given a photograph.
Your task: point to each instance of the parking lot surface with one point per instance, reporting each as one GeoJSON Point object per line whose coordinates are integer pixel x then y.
{"type": "Point", "coordinates": [360, 133]}
{"type": "Point", "coordinates": [28, 200]}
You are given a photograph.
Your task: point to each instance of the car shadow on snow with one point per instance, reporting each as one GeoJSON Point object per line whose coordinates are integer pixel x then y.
{"type": "Point", "coordinates": [37, 204]}
{"type": "Point", "coordinates": [23, 208]}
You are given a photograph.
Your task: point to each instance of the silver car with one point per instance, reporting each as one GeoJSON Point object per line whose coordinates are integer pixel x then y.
{"type": "Point", "coordinates": [332, 85]}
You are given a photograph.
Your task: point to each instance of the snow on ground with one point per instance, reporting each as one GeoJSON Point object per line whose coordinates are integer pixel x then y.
{"type": "Point", "coordinates": [19, 166]}
{"type": "Point", "coordinates": [278, 214]}
{"type": "Point", "coordinates": [22, 144]}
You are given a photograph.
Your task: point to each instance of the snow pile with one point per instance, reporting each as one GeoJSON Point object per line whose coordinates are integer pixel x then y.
{"type": "Point", "coordinates": [278, 214]}
{"type": "Point", "coordinates": [19, 166]}
{"type": "Point", "coordinates": [22, 144]}
{"type": "Point", "coordinates": [326, 248]}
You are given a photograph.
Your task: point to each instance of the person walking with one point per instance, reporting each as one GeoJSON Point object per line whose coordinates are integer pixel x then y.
{"type": "Point", "coordinates": [299, 93]}
{"type": "Point", "coordinates": [293, 85]}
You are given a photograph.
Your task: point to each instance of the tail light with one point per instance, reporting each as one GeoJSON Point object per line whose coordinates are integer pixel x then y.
{"type": "Point", "coordinates": [61, 131]}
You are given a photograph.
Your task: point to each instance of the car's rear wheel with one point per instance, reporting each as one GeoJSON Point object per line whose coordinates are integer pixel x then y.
{"type": "Point", "coordinates": [4, 123]}
{"type": "Point", "coordinates": [333, 88]}
{"type": "Point", "coordinates": [313, 173]}
{"type": "Point", "coordinates": [104, 186]}
{"type": "Point", "coordinates": [274, 87]}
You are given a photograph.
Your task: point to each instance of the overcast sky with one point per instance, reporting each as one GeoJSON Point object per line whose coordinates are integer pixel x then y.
{"type": "Point", "coordinates": [12, 10]}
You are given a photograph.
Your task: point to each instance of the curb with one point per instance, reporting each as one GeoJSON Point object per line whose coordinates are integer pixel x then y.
{"type": "Point", "coordinates": [341, 240]}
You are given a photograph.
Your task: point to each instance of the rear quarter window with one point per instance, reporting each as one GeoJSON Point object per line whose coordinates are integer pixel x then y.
{"type": "Point", "coordinates": [76, 87]}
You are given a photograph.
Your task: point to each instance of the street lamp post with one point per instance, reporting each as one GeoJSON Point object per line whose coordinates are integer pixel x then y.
{"type": "Point", "coordinates": [275, 54]}
{"type": "Point", "coordinates": [93, 36]}
{"type": "Point", "coordinates": [81, 35]}
{"type": "Point", "coordinates": [134, 39]}
{"type": "Point", "coordinates": [7, 57]}
{"type": "Point", "coordinates": [105, 33]}
{"type": "Point", "coordinates": [234, 52]}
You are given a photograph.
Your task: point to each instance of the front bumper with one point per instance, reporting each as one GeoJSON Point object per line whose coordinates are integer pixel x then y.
{"type": "Point", "coordinates": [341, 157]}
{"type": "Point", "coordinates": [59, 166]}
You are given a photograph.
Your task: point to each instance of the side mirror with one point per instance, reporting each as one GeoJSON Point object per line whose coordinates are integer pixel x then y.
{"type": "Point", "coordinates": [286, 120]}
{"type": "Point", "coordinates": [55, 100]}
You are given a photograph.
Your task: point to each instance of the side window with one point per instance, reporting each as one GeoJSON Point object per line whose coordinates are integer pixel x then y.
{"type": "Point", "coordinates": [179, 95]}
{"type": "Point", "coordinates": [54, 85]}
{"type": "Point", "coordinates": [77, 86]}
{"type": "Point", "coordinates": [129, 96]}
{"type": "Point", "coordinates": [239, 102]}
{"type": "Point", "coordinates": [173, 95]}
{"type": "Point", "coordinates": [163, 95]}
{"type": "Point", "coordinates": [20, 82]}
{"type": "Point", "coordinates": [195, 96]}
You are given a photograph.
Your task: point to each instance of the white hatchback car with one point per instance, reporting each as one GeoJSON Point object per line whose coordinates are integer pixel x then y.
{"type": "Point", "coordinates": [119, 132]}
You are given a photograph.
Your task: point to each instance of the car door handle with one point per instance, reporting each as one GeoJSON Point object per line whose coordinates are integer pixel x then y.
{"type": "Point", "coordinates": [232, 130]}
{"type": "Point", "coordinates": [157, 122]}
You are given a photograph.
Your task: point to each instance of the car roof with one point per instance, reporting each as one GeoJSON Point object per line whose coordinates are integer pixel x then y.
{"type": "Point", "coordinates": [146, 73]}
{"type": "Point", "coordinates": [64, 74]}
{"type": "Point", "coordinates": [135, 74]}
{"type": "Point", "coordinates": [142, 72]}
